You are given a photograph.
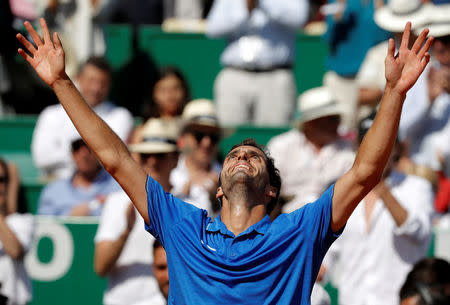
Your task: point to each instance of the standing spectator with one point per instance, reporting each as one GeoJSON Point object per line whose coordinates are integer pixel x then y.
{"type": "Point", "coordinates": [426, 112]}
{"type": "Point", "coordinates": [256, 85]}
{"type": "Point", "coordinates": [123, 250]}
{"type": "Point", "coordinates": [351, 32]}
{"type": "Point", "coordinates": [389, 231]}
{"type": "Point", "coordinates": [78, 24]}
{"type": "Point", "coordinates": [50, 145]}
{"type": "Point", "coordinates": [370, 79]}
{"type": "Point", "coordinates": [314, 147]}
{"type": "Point", "coordinates": [16, 236]}
{"type": "Point", "coordinates": [195, 178]}
{"type": "Point", "coordinates": [84, 192]}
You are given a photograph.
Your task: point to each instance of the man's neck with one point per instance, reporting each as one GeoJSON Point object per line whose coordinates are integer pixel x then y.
{"type": "Point", "coordinates": [241, 210]}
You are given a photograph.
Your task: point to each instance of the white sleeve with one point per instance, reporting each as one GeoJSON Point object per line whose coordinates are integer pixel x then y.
{"type": "Point", "coordinates": [226, 18]}
{"type": "Point", "coordinates": [290, 13]}
{"type": "Point", "coordinates": [121, 122]}
{"type": "Point", "coordinates": [418, 200]}
{"type": "Point", "coordinates": [113, 220]}
{"type": "Point", "coordinates": [23, 226]}
{"type": "Point", "coordinates": [47, 146]}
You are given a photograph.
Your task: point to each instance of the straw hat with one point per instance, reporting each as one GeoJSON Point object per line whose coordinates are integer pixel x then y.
{"type": "Point", "coordinates": [394, 15]}
{"type": "Point", "coordinates": [317, 103]}
{"type": "Point", "coordinates": [200, 112]}
{"type": "Point", "coordinates": [158, 136]}
{"type": "Point", "coordinates": [439, 19]}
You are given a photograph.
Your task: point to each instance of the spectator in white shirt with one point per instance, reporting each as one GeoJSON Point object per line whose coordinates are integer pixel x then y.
{"type": "Point", "coordinates": [314, 147]}
{"type": "Point", "coordinates": [16, 238]}
{"type": "Point", "coordinates": [195, 178]}
{"type": "Point", "coordinates": [123, 249]}
{"type": "Point", "coordinates": [50, 145]}
{"type": "Point", "coordinates": [389, 231]}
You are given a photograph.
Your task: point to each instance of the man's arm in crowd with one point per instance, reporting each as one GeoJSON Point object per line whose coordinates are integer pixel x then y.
{"type": "Point", "coordinates": [402, 71]}
{"type": "Point", "coordinates": [47, 59]}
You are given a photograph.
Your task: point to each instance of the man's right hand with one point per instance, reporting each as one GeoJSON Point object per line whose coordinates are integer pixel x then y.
{"type": "Point", "coordinates": [47, 58]}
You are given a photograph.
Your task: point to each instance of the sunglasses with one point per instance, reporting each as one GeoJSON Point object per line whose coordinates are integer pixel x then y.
{"type": "Point", "coordinates": [198, 135]}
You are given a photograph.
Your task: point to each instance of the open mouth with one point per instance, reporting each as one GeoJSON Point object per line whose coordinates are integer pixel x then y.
{"type": "Point", "coordinates": [242, 166]}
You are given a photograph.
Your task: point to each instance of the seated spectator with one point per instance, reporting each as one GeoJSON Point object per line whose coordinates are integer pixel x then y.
{"type": "Point", "coordinates": [195, 178]}
{"type": "Point", "coordinates": [391, 17]}
{"type": "Point", "coordinates": [426, 110]}
{"type": "Point", "coordinates": [82, 194]}
{"type": "Point", "coordinates": [313, 147]}
{"type": "Point", "coordinates": [388, 232]}
{"type": "Point", "coordinates": [169, 95]}
{"type": "Point", "coordinates": [160, 268]}
{"type": "Point", "coordinates": [16, 237]}
{"type": "Point", "coordinates": [122, 247]}
{"type": "Point", "coordinates": [428, 283]}
{"type": "Point", "coordinates": [257, 85]}
{"type": "Point", "coordinates": [50, 145]}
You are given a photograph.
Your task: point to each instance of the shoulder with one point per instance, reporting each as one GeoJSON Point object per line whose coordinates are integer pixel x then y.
{"type": "Point", "coordinates": [111, 108]}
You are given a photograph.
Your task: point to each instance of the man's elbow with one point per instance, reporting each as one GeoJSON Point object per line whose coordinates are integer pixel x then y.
{"type": "Point", "coordinates": [366, 175]}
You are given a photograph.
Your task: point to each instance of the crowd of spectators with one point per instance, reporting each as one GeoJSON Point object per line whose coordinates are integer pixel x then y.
{"type": "Point", "coordinates": [177, 139]}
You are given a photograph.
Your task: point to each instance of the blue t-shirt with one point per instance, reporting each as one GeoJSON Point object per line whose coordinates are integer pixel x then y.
{"type": "Point", "coordinates": [269, 263]}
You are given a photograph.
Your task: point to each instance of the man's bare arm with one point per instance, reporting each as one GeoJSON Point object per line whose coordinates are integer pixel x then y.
{"type": "Point", "coordinates": [402, 72]}
{"type": "Point", "coordinates": [47, 59]}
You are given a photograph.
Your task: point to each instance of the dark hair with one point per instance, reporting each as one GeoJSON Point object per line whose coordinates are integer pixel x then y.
{"type": "Point", "coordinates": [274, 173]}
{"type": "Point", "coordinates": [151, 109]}
{"type": "Point", "coordinates": [99, 62]}
{"type": "Point", "coordinates": [427, 280]}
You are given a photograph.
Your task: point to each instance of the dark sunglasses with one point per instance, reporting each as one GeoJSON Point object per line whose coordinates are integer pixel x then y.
{"type": "Point", "coordinates": [198, 135]}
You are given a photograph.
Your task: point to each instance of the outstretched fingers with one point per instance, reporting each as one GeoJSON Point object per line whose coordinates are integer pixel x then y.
{"type": "Point", "coordinates": [406, 34]}
{"type": "Point", "coordinates": [28, 45]}
{"type": "Point", "coordinates": [391, 49]}
{"type": "Point", "coordinates": [56, 41]}
{"type": "Point", "coordinates": [426, 47]}
{"type": "Point", "coordinates": [47, 38]}
{"type": "Point", "coordinates": [36, 38]}
{"type": "Point", "coordinates": [419, 41]}
{"type": "Point", "coordinates": [25, 56]}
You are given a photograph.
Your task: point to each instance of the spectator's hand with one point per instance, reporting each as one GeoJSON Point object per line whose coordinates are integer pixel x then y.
{"type": "Point", "coordinates": [403, 70]}
{"type": "Point", "coordinates": [47, 58]}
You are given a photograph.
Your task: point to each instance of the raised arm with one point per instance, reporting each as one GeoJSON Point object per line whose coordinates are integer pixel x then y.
{"type": "Point", "coordinates": [402, 71]}
{"type": "Point", "coordinates": [47, 59]}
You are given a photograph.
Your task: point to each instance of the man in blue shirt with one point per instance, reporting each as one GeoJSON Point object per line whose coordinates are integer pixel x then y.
{"type": "Point", "coordinates": [242, 257]}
